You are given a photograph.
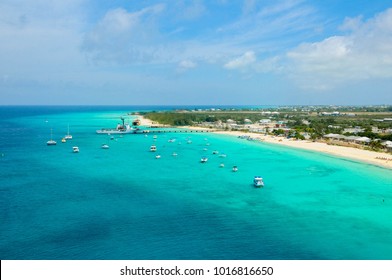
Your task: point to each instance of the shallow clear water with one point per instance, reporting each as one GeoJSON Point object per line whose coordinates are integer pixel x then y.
{"type": "Point", "coordinates": [122, 203]}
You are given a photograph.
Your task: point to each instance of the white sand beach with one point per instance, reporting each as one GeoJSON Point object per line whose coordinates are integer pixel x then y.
{"type": "Point", "coordinates": [371, 157]}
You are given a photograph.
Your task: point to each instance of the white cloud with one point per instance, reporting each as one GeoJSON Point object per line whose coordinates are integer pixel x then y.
{"type": "Point", "coordinates": [241, 62]}
{"type": "Point", "coordinates": [125, 37]}
{"type": "Point", "coordinates": [364, 53]}
{"type": "Point", "coordinates": [187, 64]}
{"type": "Point", "coordinates": [40, 38]}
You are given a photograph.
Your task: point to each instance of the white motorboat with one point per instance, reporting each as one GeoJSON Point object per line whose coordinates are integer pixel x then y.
{"type": "Point", "coordinates": [258, 182]}
{"type": "Point", "coordinates": [75, 149]}
{"type": "Point", "coordinates": [235, 168]}
{"type": "Point", "coordinates": [174, 154]}
{"type": "Point", "coordinates": [105, 146]}
{"type": "Point", "coordinates": [222, 165]}
{"type": "Point", "coordinates": [51, 142]}
{"type": "Point", "coordinates": [215, 152]}
{"type": "Point", "coordinates": [204, 159]}
{"type": "Point", "coordinates": [158, 156]}
{"type": "Point", "coordinates": [153, 148]}
{"type": "Point", "coordinates": [222, 155]}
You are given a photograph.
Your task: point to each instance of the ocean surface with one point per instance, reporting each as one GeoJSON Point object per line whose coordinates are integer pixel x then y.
{"type": "Point", "coordinates": [123, 203]}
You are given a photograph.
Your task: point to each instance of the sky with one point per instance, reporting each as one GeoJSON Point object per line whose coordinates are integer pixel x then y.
{"type": "Point", "coordinates": [195, 52]}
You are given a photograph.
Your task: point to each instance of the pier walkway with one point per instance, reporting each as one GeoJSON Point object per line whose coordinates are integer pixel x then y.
{"type": "Point", "coordinates": [174, 131]}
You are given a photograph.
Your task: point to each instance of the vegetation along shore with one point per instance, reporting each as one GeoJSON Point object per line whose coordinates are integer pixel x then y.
{"type": "Point", "coordinates": [358, 133]}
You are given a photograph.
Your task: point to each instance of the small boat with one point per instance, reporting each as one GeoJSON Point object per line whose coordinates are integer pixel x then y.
{"type": "Point", "coordinates": [111, 137]}
{"type": "Point", "coordinates": [158, 156]}
{"type": "Point", "coordinates": [68, 136]}
{"type": "Point", "coordinates": [222, 155]}
{"type": "Point", "coordinates": [155, 137]}
{"type": "Point", "coordinates": [258, 182]}
{"type": "Point", "coordinates": [174, 154]}
{"type": "Point", "coordinates": [204, 159]}
{"type": "Point", "coordinates": [205, 149]}
{"type": "Point", "coordinates": [171, 140]}
{"type": "Point", "coordinates": [153, 148]}
{"type": "Point", "coordinates": [75, 149]}
{"type": "Point", "coordinates": [105, 146]}
{"type": "Point", "coordinates": [215, 152]}
{"type": "Point", "coordinates": [222, 165]}
{"type": "Point", "coordinates": [63, 140]}
{"type": "Point", "coordinates": [51, 142]}
{"type": "Point", "coordinates": [235, 168]}
{"type": "Point", "coordinates": [189, 142]}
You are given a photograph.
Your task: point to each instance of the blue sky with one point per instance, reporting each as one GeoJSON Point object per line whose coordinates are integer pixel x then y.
{"type": "Point", "coordinates": [195, 52]}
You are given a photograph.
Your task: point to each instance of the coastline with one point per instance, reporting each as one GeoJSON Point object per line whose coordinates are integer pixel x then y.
{"type": "Point", "coordinates": [371, 157]}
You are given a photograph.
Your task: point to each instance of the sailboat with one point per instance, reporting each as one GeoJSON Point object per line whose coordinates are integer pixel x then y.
{"type": "Point", "coordinates": [51, 141]}
{"type": "Point", "coordinates": [68, 136]}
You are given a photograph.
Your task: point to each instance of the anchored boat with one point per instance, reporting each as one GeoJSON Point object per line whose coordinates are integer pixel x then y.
{"type": "Point", "coordinates": [258, 182]}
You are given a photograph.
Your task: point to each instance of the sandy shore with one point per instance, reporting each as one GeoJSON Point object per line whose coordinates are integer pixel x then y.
{"type": "Point", "coordinates": [376, 158]}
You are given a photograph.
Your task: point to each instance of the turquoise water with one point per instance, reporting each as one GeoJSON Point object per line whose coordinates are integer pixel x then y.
{"type": "Point", "coordinates": [122, 203]}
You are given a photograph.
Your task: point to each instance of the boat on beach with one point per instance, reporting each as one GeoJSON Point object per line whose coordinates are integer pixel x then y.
{"type": "Point", "coordinates": [258, 182]}
{"type": "Point", "coordinates": [123, 128]}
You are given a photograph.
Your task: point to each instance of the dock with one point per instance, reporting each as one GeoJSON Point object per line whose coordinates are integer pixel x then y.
{"type": "Point", "coordinates": [174, 131]}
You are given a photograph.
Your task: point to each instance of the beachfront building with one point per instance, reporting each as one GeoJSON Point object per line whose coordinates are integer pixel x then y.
{"type": "Point", "coordinates": [349, 139]}
{"type": "Point", "coordinates": [353, 130]}
{"type": "Point", "coordinates": [387, 145]}
{"type": "Point", "coordinates": [247, 121]}
{"type": "Point", "coordinates": [264, 121]}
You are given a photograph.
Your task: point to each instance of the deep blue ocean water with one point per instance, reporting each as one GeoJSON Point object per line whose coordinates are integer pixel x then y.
{"type": "Point", "coordinates": [123, 203]}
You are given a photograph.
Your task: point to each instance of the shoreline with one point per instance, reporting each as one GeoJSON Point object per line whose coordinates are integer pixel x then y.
{"type": "Point", "coordinates": [371, 157]}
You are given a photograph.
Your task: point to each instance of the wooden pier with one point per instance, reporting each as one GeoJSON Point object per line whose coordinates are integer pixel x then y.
{"type": "Point", "coordinates": [174, 131]}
